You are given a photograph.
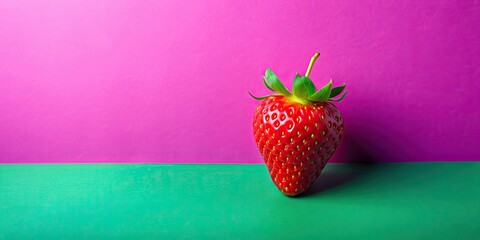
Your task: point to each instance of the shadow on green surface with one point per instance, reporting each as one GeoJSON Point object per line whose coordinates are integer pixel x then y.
{"type": "Point", "coordinates": [362, 165]}
{"type": "Point", "coordinates": [336, 177]}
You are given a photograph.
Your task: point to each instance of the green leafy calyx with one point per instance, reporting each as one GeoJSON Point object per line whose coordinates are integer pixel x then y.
{"type": "Point", "coordinates": [303, 89]}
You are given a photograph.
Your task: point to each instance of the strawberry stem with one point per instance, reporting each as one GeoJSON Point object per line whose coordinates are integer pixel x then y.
{"type": "Point", "coordinates": [296, 99]}
{"type": "Point", "coordinates": [312, 61]}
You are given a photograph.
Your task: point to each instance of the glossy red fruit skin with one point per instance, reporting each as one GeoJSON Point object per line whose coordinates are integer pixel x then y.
{"type": "Point", "coordinates": [296, 140]}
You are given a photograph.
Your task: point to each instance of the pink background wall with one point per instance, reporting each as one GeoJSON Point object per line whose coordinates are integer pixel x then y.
{"type": "Point", "coordinates": [167, 81]}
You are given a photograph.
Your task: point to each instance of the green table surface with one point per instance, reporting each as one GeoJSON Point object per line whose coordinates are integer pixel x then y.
{"type": "Point", "coordinates": [221, 201]}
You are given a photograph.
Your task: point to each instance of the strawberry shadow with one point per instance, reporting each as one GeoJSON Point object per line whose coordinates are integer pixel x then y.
{"type": "Point", "coordinates": [361, 164]}
{"type": "Point", "coordinates": [367, 145]}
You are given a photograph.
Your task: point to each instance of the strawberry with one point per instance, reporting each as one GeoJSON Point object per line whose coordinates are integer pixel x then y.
{"type": "Point", "coordinates": [297, 132]}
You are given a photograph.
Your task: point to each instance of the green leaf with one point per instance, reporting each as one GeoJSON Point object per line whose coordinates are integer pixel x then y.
{"type": "Point", "coordinates": [339, 99]}
{"type": "Point", "coordinates": [323, 94]}
{"type": "Point", "coordinates": [275, 83]}
{"type": "Point", "coordinates": [337, 90]}
{"type": "Point", "coordinates": [262, 97]}
{"type": "Point", "coordinates": [303, 87]}
{"type": "Point", "coordinates": [266, 84]}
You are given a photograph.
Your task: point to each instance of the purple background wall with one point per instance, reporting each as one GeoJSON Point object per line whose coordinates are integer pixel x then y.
{"type": "Point", "coordinates": [167, 81]}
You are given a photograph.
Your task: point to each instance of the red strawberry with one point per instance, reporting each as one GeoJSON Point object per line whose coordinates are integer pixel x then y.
{"type": "Point", "coordinates": [297, 132]}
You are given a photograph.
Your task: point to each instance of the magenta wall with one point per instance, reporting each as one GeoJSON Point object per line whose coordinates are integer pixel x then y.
{"type": "Point", "coordinates": [167, 81]}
